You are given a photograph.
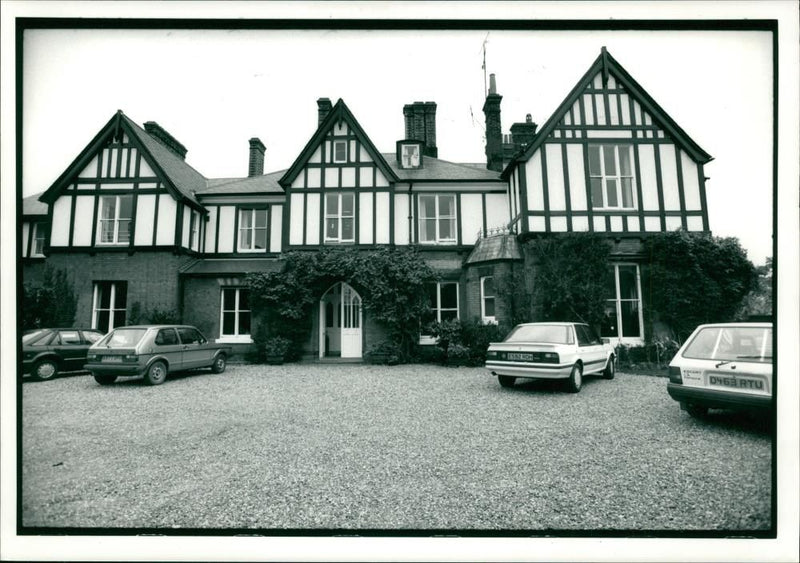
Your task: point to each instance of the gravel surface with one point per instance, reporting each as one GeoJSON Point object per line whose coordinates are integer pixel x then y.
{"type": "Point", "coordinates": [358, 447]}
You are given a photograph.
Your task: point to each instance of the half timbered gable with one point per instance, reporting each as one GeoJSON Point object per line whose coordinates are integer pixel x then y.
{"type": "Point", "coordinates": [610, 159]}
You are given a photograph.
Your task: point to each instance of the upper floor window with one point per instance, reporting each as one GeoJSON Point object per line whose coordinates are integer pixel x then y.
{"type": "Point", "coordinates": [194, 231]}
{"type": "Point", "coordinates": [37, 239]}
{"type": "Point", "coordinates": [116, 212]}
{"type": "Point", "coordinates": [623, 315]}
{"type": "Point", "coordinates": [340, 151]}
{"type": "Point", "coordinates": [488, 300]}
{"type": "Point", "coordinates": [252, 230]}
{"type": "Point", "coordinates": [340, 217]}
{"type": "Point", "coordinates": [109, 305]}
{"type": "Point", "coordinates": [437, 218]}
{"type": "Point", "coordinates": [611, 176]}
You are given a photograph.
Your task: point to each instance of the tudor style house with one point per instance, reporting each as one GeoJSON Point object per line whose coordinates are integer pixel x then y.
{"type": "Point", "coordinates": [139, 230]}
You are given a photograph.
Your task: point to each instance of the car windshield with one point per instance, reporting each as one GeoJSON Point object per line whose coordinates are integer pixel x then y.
{"type": "Point", "coordinates": [750, 344]}
{"type": "Point", "coordinates": [123, 338]}
{"type": "Point", "coordinates": [553, 334]}
{"type": "Point", "coordinates": [36, 337]}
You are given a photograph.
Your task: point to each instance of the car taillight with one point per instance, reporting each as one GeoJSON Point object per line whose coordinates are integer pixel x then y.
{"type": "Point", "coordinates": [91, 357]}
{"type": "Point", "coordinates": [130, 358]}
{"type": "Point", "coordinates": [550, 357]}
{"type": "Point", "coordinates": [675, 374]}
{"type": "Point", "coordinates": [491, 354]}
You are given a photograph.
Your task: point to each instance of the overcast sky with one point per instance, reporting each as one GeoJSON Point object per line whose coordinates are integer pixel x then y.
{"type": "Point", "coordinates": [213, 90]}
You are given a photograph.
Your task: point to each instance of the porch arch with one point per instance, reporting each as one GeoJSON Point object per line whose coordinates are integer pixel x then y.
{"type": "Point", "coordinates": [340, 322]}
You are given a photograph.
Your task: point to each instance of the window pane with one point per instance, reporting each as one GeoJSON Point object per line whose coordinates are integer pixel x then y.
{"type": "Point", "coordinates": [104, 292]}
{"type": "Point", "coordinates": [347, 229]}
{"type": "Point", "coordinates": [109, 205]}
{"type": "Point", "coordinates": [627, 193]}
{"type": "Point", "coordinates": [261, 218]}
{"type": "Point", "coordinates": [427, 206]}
{"type": "Point", "coordinates": [228, 323]}
{"type": "Point", "coordinates": [594, 161]}
{"type": "Point", "coordinates": [488, 287]}
{"type": "Point", "coordinates": [447, 229]}
{"type": "Point", "coordinates": [332, 204]}
{"type": "Point", "coordinates": [347, 205]}
{"type": "Point", "coordinates": [488, 307]}
{"type": "Point", "coordinates": [340, 149]}
{"type": "Point", "coordinates": [245, 218]}
{"type": "Point", "coordinates": [627, 282]}
{"type": "Point", "coordinates": [245, 238]}
{"type": "Point", "coordinates": [630, 318]}
{"type": "Point", "coordinates": [106, 231]}
{"type": "Point", "coordinates": [597, 192]}
{"type": "Point", "coordinates": [124, 234]}
{"type": "Point", "coordinates": [228, 299]}
{"type": "Point", "coordinates": [125, 206]}
{"type": "Point", "coordinates": [608, 160]}
{"type": "Point", "coordinates": [608, 327]}
{"type": "Point", "coordinates": [261, 239]}
{"type": "Point", "coordinates": [447, 206]}
{"type": "Point", "coordinates": [244, 300]}
{"type": "Point", "coordinates": [449, 315]}
{"type": "Point", "coordinates": [121, 297]}
{"type": "Point", "coordinates": [625, 161]}
{"type": "Point", "coordinates": [244, 323]}
{"type": "Point", "coordinates": [611, 192]}
{"type": "Point", "coordinates": [429, 230]}
{"type": "Point", "coordinates": [610, 283]}
{"type": "Point", "coordinates": [449, 293]}
{"type": "Point", "coordinates": [119, 318]}
{"type": "Point", "coordinates": [332, 228]}
{"type": "Point", "coordinates": [102, 320]}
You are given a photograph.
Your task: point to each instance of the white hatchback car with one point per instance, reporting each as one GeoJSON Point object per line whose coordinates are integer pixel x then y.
{"type": "Point", "coordinates": [550, 351]}
{"type": "Point", "coordinates": [726, 366]}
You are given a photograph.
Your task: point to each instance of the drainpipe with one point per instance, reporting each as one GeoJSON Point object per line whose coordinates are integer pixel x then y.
{"type": "Point", "coordinates": [410, 213]}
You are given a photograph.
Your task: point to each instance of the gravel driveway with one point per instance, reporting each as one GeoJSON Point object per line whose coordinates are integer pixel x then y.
{"type": "Point", "coordinates": [358, 447]}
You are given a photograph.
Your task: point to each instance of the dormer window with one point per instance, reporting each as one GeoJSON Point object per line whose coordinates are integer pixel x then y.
{"type": "Point", "coordinates": [409, 154]}
{"type": "Point", "coordinates": [340, 151]}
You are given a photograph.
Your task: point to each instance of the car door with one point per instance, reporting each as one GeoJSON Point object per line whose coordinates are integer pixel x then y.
{"type": "Point", "coordinates": [196, 352]}
{"type": "Point", "coordinates": [167, 344]}
{"type": "Point", "coordinates": [71, 348]}
{"type": "Point", "coordinates": [590, 348]}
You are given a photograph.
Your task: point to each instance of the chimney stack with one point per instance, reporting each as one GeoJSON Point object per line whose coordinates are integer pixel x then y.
{"type": "Point", "coordinates": [420, 120]}
{"type": "Point", "coordinates": [494, 133]}
{"type": "Point", "coordinates": [523, 133]}
{"type": "Point", "coordinates": [324, 107]}
{"type": "Point", "coordinates": [162, 136]}
{"type": "Point", "coordinates": [256, 165]}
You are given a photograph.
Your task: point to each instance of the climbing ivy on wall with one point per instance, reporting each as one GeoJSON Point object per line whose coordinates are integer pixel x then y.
{"type": "Point", "coordinates": [391, 283]}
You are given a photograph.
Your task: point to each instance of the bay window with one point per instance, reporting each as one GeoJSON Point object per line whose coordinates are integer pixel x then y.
{"type": "Point", "coordinates": [437, 218]}
{"type": "Point", "coordinates": [611, 176]}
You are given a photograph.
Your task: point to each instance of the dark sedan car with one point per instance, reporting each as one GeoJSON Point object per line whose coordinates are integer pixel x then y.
{"type": "Point", "coordinates": [48, 351]}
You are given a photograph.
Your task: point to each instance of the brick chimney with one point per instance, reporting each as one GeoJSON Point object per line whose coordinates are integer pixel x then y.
{"type": "Point", "coordinates": [420, 120]}
{"type": "Point", "coordinates": [523, 133]}
{"type": "Point", "coordinates": [162, 136]}
{"type": "Point", "coordinates": [494, 133]}
{"type": "Point", "coordinates": [324, 107]}
{"type": "Point", "coordinates": [256, 165]}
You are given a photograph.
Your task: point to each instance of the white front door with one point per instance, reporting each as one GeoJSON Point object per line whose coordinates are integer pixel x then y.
{"type": "Point", "coordinates": [350, 315]}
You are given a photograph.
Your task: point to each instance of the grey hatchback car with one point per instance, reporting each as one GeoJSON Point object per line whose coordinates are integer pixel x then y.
{"type": "Point", "coordinates": [153, 351]}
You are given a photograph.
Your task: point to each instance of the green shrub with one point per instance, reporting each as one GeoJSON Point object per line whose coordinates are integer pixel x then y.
{"type": "Point", "coordinates": [53, 304]}
{"type": "Point", "coordinates": [385, 353]}
{"type": "Point", "coordinates": [465, 341]}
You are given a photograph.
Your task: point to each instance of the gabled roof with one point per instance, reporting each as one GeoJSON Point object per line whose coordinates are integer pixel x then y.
{"type": "Point", "coordinates": [266, 184]}
{"type": "Point", "coordinates": [340, 112]}
{"type": "Point", "coordinates": [32, 206]}
{"type": "Point", "coordinates": [180, 179]}
{"type": "Point", "coordinates": [436, 170]}
{"type": "Point", "coordinates": [607, 64]}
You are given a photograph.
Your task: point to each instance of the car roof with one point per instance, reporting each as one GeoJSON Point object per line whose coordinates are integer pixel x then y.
{"type": "Point", "coordinates": [554, 323]}
{"type": "Point", "coordinates": [157, 326]}
{"type": "Point", "coordinates": [735, 325]}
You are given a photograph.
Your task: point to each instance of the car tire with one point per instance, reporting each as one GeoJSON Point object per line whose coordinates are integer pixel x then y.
{"type": "Point", "coordinates": [156, 373]}
{"type": "Point", "coordinates": [575, 381]}
{"type": "Point", "coordinates": [506, 380]}
{"type": "Point", "coordinates": [219, 364]}
{"type": "Point", "coordinates": [696, 411]}
{"type": "Point", "coordinates": [610, 370]}
{"type": "Point", "coordinates": [44, 370]}
{"type": "Point", "coordinates": [105, 379]}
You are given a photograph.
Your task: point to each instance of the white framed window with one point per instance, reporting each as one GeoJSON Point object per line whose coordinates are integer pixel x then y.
{"type": "Point", "coordinates": [443, 300]}
{"type": "Point", "coordinates": [194, 231]}
{"type": "Point", "coordinates": [611, 176]}
{"type": "Point", "coordinates": [409, 156]}
{"type": "Point", "coordinates": [252, 230]}
{"type": "Point", "coordinates": [37, 239]}
{"type": "Point", "coordinates": [234, 319]}
{"type": "Point", "coordinates": [488, 300]}
{"type": "Point", "coordinates": [340, 217]}
{"type": "Point", "coordinates": [340, 151]}
{"type": "Point", "coordinates": [623, 315]}
{"type": "Point", "coordinates": [109, 304]}
{"type": "Point", "coordinates": [437, 218]}
{"type": "Point", "coordinates": [115, 219]}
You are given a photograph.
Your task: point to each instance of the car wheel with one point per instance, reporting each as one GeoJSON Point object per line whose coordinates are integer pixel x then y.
{"type": "Point", "coordinates": [506, 380]}
{"type": "Point", "coordinates": [575, 380]}
{"type": "Point", "coordinates": [156, 374]}
{"type": "Point", "coordinates": [696, 411]}
{"type": "Point", "coordinates": [219, 364]}
{"type": "Point", "coordinates": [105, 379]}
{"type": "Point", "coordinates": [44, 370]}
{"type": "Point", "coordinates": [610, 370]}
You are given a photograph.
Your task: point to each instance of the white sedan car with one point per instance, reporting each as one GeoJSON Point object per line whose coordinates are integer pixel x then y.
{"type": "Point", "coordinates": [550, 351]}
{"type": "Point", "coordinates": [726, 366]}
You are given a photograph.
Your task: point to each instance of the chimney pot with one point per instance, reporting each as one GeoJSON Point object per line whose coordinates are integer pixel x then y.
{"type": "Point", "coordinates": [256, 164]}
{"type": "Point", "coordinates": [492, 84]}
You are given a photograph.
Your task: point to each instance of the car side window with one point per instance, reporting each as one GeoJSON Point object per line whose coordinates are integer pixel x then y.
{"type": "Point", "coordinates": [583, 336]}
{"type": "Point", "coordinates": [593, 338]}
{"type": "Point", "coordinates": [190, 335]}
{"type": "Point", "coordinates": [166, 337]}
{"type": "Point", "coordinates": [69, 337]}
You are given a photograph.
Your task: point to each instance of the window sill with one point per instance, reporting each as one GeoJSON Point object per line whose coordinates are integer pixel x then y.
{"type": "Point", "coordinates": [245, 339]}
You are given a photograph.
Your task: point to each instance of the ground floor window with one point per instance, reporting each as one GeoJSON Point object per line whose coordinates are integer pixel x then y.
{"type": "Point", "coordinates": [623, 315]}
{"type": "Point", "coordinates": [488, 300]}
{"type": "Point", "coordinates": [235, 312]}
{"type": "Point", "coordinates": [443, 301]}
{"type": "Point", "coordinates": [109, 304]}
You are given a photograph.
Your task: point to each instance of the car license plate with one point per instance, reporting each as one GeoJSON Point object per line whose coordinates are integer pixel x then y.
{"type": "Point", "coordinates": [748, 383]}
{"type": "Point", "coordinates": [112, 359]}
{"type": "Point", "coordinates": [520, 356]}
